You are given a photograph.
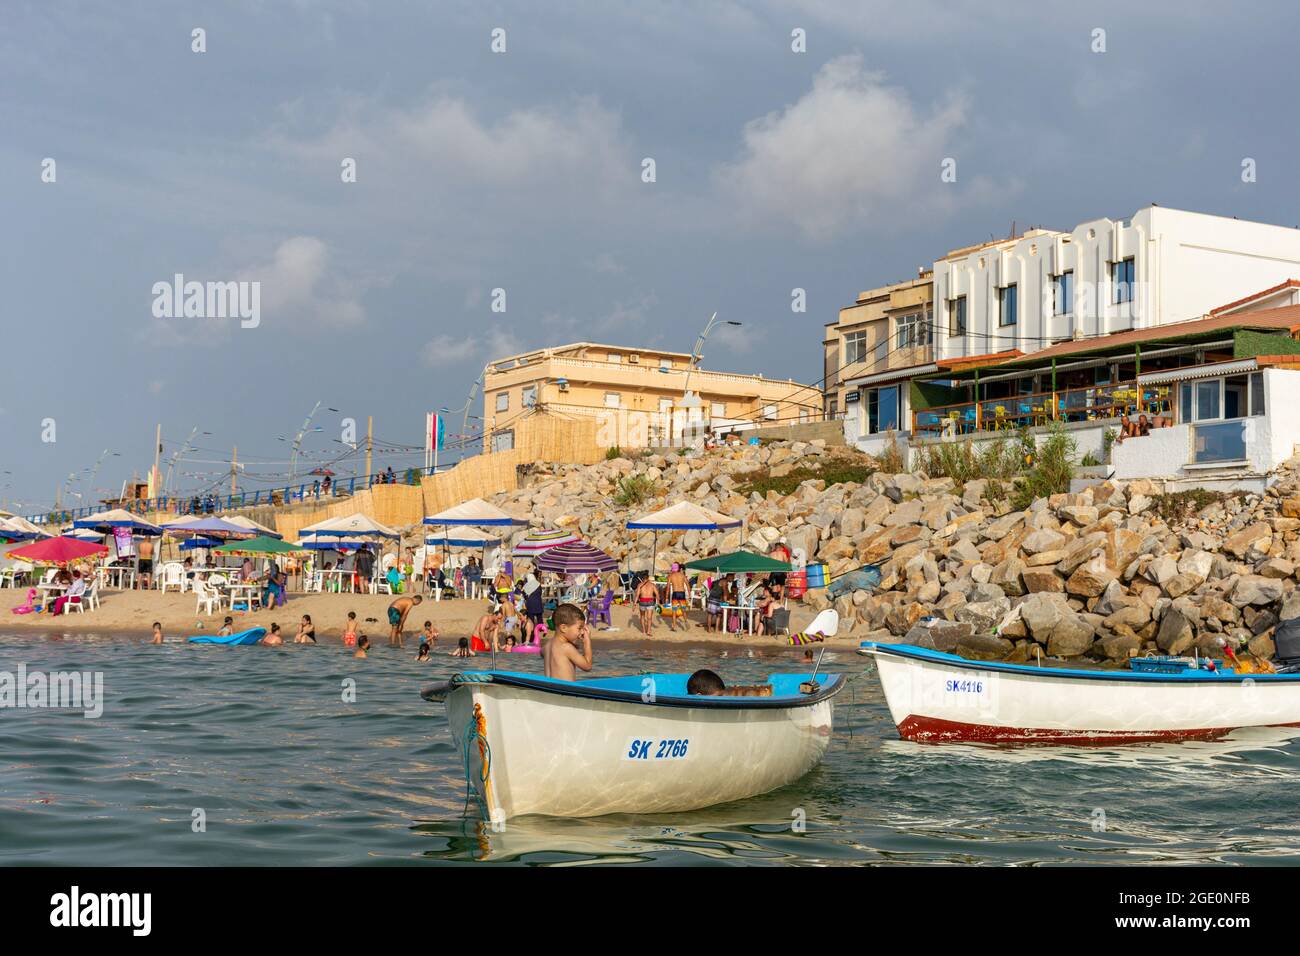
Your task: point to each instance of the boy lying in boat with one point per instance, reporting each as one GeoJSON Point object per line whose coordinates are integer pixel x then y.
{"type": "Point", "coordinates": [561, 652]}
{"type": "Point", "coordinates": [708, 684]}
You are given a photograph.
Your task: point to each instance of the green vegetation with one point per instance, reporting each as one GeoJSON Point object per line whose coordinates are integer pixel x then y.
{"type": "Point", "coordinates": [891, 461]}
{"type": "Point", "coordinates": [834, 472]}
{"type": "Point", "coordinates": [1049, 468]}
{"type": "Point", "coordinates": [1036, 469]}
{"type": "Point", "coordinates": [1089, 460]}
{"type": "Point", "coordinates": [635, 489]}
{"type": "Point", "coordinates": [613, 452]}
{"type": "Point", "coordinates": [1176, 505]}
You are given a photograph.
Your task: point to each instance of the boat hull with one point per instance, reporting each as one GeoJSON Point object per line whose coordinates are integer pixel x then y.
{"type": "Point", "coordinates": [567, 756]}
{"type": "Point", "coordinates": [934, 697]}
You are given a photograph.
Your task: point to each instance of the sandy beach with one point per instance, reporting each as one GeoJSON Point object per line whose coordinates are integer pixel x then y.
{"type": "Point", "coordinates": [131, 613]}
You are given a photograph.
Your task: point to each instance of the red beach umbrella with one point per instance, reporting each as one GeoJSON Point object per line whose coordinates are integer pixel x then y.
{"type": "Point", "coordinates": [57, 550]}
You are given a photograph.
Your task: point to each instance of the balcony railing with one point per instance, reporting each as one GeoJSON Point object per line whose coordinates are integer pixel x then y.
{"type": "Point", "coordinates": [1066, 405]}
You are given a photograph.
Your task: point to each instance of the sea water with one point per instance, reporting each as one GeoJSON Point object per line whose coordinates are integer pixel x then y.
{"type": "Point", "coordinates": [304, 755]}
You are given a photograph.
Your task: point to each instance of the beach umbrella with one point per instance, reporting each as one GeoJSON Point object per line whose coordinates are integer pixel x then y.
{"type": "Point", "coordinates": [21, 526]}
{"type": "Point", "coordinates": [57, 551]}
{"type": "Point", "coordinates": [475, 512]}
{"type": "Point", "coordinates": [253, 526]}
{"type": "Point", "coordinates": [463, 538]}
{"type": "Point", "coordinates": [106, 521]}
{"type": "Point", "coordinates": [542, 539]}
{"type": "Point", "coordinates": [353, 526]}
{"type": "Point", "coordinates": [84, 534]}
{"type": "Point", "coordinates": [577, 557]}
{"type": "Point", "coordinates": [683, 516]}
{"type": "Point", "coordinates": [209, 526]}
{"type": "Point", "coordinates": [261, 545]}
{"type": "Point", "coordinates": [738, 562]}
{"type": "Point", "coordinates": [193, 544]}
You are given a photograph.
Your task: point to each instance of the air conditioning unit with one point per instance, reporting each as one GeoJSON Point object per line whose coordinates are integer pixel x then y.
{"type": "Point", "coordinates": [564, 386]}
{"type": "Point", "coordinates": [634, 358]}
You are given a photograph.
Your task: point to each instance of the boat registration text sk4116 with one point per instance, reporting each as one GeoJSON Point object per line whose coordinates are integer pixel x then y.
{"type": "Point", "coordinates": [656, 748]}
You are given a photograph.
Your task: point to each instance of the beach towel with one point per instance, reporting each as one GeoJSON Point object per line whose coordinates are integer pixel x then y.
{"type": "Point", "coordinates": [797, 640]}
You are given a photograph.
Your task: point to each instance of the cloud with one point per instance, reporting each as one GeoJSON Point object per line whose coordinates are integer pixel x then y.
{"type": "Point", "coordinates": [444, 350]}
{"type": "Point", "coordinates": [848, 150]}
{"type": "Point", "coordinates": [297, 284]}
{"type": "Point", "coordinates": [446, 146]}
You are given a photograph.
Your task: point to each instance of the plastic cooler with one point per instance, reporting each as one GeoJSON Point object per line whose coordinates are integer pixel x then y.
{"type": "Point", "coordinates": [796, 583]}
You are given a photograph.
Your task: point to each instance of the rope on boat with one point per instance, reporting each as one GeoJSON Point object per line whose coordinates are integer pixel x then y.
{"type": "Point", "coordinates": [475, 731]}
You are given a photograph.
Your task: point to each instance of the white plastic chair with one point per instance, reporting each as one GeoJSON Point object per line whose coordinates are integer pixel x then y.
{"type": "Point", "coordinates": [825, 623]}
{"type": "Point", "coordinates": [173, 574]}
{"type": "Point", "coordinates": [91, 597]}
{"type": "Point", "coordinates": [205, 596]}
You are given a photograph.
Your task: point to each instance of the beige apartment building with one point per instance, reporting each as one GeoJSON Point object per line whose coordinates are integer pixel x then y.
{"type": "Point", "coordinates": [886, 331]}
{"type": "Point", "coordinates": [640, 396]}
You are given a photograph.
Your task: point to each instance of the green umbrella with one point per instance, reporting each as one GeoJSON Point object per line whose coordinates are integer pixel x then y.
{"type": "Point", "coordinates": [259, 545]}
{"type": "Point", "coordinates": [738, 562]}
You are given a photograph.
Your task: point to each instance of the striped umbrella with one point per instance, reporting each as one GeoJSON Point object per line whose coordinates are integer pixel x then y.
{"type": "Point", "coordinates": [575, 558]}
{"type": "Point", "coordinates": [535, 542]}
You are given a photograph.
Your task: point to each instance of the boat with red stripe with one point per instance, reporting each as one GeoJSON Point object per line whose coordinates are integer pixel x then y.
{"type": "Point", "coordinates": [935, 697]}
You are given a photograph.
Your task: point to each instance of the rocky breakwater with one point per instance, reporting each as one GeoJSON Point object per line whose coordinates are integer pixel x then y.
{"type": "Point", "coordinates": [1111, 571]}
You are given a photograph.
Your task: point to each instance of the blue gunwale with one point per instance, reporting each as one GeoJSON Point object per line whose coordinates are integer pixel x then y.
{"type": "Point", "coordinates": [1223, 676]}
{"type": "Point", "coordinates": [670, 689]}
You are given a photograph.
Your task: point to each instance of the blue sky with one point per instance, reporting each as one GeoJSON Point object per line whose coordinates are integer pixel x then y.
{"type": "Point", "coordinates": [475, 170]}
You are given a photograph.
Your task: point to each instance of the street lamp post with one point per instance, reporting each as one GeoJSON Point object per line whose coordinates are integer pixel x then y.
{"type": "Point", "coordinates": [690, 400]}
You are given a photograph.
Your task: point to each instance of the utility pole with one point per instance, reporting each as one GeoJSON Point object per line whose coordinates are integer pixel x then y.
{"type": "Point", "coordinates": [234, 464]}
{"type": "Point", "coordinates": [157, 451]}
{"type": "Point", "coordinates": [370, 442]}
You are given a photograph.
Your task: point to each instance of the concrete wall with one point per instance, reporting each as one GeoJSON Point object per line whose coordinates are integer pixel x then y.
{"type": "Point", "coordinates": [1088, 437]}
{"type": "Point", "coordinates": [830, 432]}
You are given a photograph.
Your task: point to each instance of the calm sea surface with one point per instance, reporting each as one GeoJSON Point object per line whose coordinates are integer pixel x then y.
{"type": "Point", "coordinates": [286, 772]}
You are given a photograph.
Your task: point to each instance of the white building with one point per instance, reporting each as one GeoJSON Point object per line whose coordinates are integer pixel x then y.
{"type": "Point", "coordinates": [1159, 267]}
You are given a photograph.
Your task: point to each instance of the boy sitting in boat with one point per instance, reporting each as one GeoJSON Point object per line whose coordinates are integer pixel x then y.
{"type": "Point", "coordinates": [561, 652]}
{"type": "Point", "coordinates": [704, 683]}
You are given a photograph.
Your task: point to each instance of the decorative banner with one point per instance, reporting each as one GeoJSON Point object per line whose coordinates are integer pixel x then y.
{"type": "Point", "coordinates": [124, 543]}
{"type": "Point", "coordinates": [437, 429]}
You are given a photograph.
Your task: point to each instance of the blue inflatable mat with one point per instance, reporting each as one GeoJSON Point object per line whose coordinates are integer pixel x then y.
{"type": "Point", "coordinates": [251, 636]}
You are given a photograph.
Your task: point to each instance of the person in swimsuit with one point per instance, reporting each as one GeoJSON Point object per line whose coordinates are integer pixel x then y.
{"type": "Point", "coordinates": [306, 631]}
{"type": "Point", "coordinates": [647, 598]}
{"type": "Point", "coordinates": [677, 603]}
{"type": "Point", "coordinates": [397, 612]}
{"type": "Point", "coordinates": [708, 684]}
{"type": "Point", "coordinates": [350, 630]}
{"type": "Point", "coordinates": [157, 633]}
{"type": "Point", "coordinates": [430, 634]}
{"type": "Point", "coordinates": [363, 645]}
{"type": "Point", "coordinates": [227, 627]}
{"type": "Point", "coordinates": [486, 634]}
{"type": "Point", "coordinates": [273, 639]}
{"type": "Point", "coordinates": [462, 648]}
{"type": "Point", "coordinates": [423, 654]}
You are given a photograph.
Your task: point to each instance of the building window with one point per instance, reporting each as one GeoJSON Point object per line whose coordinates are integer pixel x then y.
{"type": "Point", "coordinates": [1199, 401]}
{"type": "Point", "coordinates": [1063, 287]}
{"type": "Point", "coordinates": [666, 363]}
{"type": "Point", "coordinates": [769, 412]}
{"type": "Point", "coordinates": [528, 396]}
{"type": "Point", "coordinates": [855, 347]}
{"type": "Point", "coordinates": [718, 410]}
{"type": "Point", "coordinates": [1007, 305]}
{"type": "Point", "coordinates": [957, 316]}
{"type": "Point", "coordinates": [1121, 280]}
{"type": "Point", "coordinates": [615, 358]}
{"type": "Point", "coordinates": [613, 400]}
{"type": "Point", "coordinates": [913, 330]}
{"type": "Point", "coordinates": [665, 406]}
{"type": "Point", "coordinates": [503, 401]}
{"type": "Point", "coordinates": [882, 409]}
{"type": "Point", "coordinates": [833, 409]}
{"type": "Point", "coordinates": [503, 441]}
{"type": "Point", "coordinates": [1257, 393]}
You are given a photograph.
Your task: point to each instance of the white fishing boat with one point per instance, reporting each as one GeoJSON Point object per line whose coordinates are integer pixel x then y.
{"type": "Point", "coordinates": [634, 744]}
{"type": "Point", "coordinates": [934, 697]}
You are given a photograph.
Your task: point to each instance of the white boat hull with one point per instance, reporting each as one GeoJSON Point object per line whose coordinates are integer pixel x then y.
{"type": "Point", "coordinates": [567, 756]}
{"type": "Point", "coordinates": [936, 700]}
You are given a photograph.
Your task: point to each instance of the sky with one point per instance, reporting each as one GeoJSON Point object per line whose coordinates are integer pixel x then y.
{"type": "Point", "coordinates": [775, 170]}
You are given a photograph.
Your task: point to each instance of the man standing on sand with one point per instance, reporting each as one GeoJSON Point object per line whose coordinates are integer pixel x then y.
{"type": "Point", "coordinates": [561, 653]}
{"type": "Point", "coordinates": [397, 612]}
